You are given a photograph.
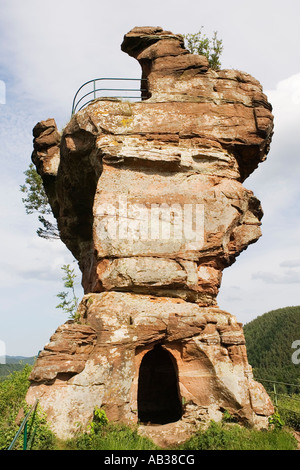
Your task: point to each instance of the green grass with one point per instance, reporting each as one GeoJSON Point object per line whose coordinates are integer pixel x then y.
{"type": "Point", "coordinates": [234, 437]}
{"type": "Point", "coordinates": [218, 436]}
{"type": "Point", "coordinates": [111, 437]}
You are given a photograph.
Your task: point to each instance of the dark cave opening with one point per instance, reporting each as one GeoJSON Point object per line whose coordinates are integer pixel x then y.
{"type": "Point", "coordinates": [158, 394]}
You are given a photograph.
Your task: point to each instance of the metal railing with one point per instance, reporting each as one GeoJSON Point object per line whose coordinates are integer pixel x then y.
{"type": "Point", "coordinates": [120, 93]}
{"type": "Point", "coordinates": [275, 395]}
{"type": "Point", "coordinates": [27, 436]}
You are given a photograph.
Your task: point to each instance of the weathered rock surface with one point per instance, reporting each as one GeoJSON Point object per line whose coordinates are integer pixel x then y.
{"type": "Point", "coordinates": [97, 362]}
{"type": "Point", "coordinates": [149, 198]}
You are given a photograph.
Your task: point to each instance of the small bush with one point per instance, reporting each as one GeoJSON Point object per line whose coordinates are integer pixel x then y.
{"type": "Point", "coordinates": [99, 420]}
{"type": "Point", "coordinates": [291, 418]}
{"type": "Point", "coordinates": [212, 48]}
{"type": "Point", "coordinates": [275, 421]}
{"type": "Point", "coordinates": [228, 417]}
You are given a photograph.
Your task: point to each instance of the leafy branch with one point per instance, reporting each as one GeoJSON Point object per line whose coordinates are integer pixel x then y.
{"type": "Point", "coordinates": [69, 303]}
{"type": "Point", "coordinates": [35, 200]}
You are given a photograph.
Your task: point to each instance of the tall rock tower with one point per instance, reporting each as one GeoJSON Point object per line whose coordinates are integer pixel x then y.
{"type": "Point", "coordinates": [149, 198]}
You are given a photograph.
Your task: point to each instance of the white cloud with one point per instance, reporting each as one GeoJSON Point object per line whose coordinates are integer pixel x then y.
{"type": "Point", "coordinates": [25, 256]}
{"type": "Point", "coordinates": [288, 277]}
{"type": "Point", "coordinates": [54, 50]}
{"type": "Point", "coordinates": [293, 263]}
{"type": "Point", "coordinates": [289, 90]}
{"type": "Point", "coordinates": [285, 100]}
{"type": "Point", "coordinates": [51, 51]}
{"type": "Point", "coordinates": [2, 92]}
{"type": "Point", "coordinates": [276, 180]}
{"type": "Point", "coordinates": [263, 284]}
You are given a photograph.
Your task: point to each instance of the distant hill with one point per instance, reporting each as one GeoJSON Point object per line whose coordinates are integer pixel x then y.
{"type": "Point", "coordinates": [20, 359]}
{"type": "Point", "coordinates": [14, 363]}
{"type": "Point", "coordinates": [269, 339]}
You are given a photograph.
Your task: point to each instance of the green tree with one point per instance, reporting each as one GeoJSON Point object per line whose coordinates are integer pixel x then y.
{"type": "Point", "coordinates": [35, 201]}
{"type": "Point", "coordinates": [212, 48]}
{"type": "Point", "coordinates": [69, 303]}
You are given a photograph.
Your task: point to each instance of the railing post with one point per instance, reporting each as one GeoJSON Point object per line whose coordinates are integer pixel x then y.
{"type": "Point", "coordinates": [275, 394]}
{"type": "Point", "coordinates": [76, 100]}
{"type": "Point", "coordinates": [25, 437]}
{"type": "Point", "coordinates": [24, 427]}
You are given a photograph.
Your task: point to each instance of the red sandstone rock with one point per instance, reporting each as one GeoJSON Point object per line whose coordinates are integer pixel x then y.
{"type": "Point", "coordinates": [121, 181]}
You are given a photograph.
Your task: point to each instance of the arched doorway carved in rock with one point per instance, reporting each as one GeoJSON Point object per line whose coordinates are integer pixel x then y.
{"type": "Point", "coordinates": [158, 391]}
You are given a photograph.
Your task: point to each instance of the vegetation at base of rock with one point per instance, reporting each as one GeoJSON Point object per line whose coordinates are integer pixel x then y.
{"type": "Point", "coordinates": [111, 436]}
{"type": "Point", "coordinates": [104, 435]}
{"type": "Point", "coordinates": [269, 340]}
{"type": "Point", "coordinates": [12, 399]}
{"type": "Point", "coordinates": [219, 436]}
{"type": "Point", "coordinates": [235, 437]}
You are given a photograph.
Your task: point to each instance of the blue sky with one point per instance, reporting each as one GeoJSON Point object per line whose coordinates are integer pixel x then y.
{"type": "Point", "coordinates": [48, 50]}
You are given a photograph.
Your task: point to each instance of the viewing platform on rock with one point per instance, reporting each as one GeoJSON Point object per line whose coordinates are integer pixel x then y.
{"type": "Point", "coordinates": [127, 89]}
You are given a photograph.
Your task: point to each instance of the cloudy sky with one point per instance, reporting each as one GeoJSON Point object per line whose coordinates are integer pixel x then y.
{"type": "Point", "coordinates": [48, 49]}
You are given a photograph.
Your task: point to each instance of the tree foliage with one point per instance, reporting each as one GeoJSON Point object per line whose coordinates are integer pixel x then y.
{"type": "Point", "coordinates": [212, 48]}
{"type": "Point", "coordinates": [69, 300]}
{"type": "Point", "coordinates": [35, 201]}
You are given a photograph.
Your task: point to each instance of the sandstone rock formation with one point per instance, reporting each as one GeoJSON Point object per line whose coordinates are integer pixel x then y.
{"type": "Point", "coordinates": [149, 198]}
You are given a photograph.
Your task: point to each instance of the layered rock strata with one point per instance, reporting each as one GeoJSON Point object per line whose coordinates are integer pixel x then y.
{"type": "Point", "coordinates": [149, 198]}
